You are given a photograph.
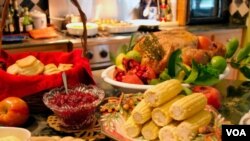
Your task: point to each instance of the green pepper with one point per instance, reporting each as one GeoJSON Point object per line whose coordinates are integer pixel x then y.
{"type": "Point", "coordinates": [243, 53]}
{"type": "Point", "coordinates": [173, 64]}
{"type": "Point", "coordinates": [231, 47]}
{"type": "Point", "coordinates": [194, 73]}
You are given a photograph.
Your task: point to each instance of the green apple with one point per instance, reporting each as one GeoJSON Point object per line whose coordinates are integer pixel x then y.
{"type": "Point", "coordinates": [119, 58]}
{"type": "Point", "coordinates": [133, 54]}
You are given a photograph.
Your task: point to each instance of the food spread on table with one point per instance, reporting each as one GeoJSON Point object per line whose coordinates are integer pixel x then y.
{"type": "Point", "coordinates": [168, 110]}
{"type": "Point", "coordinates": [159, 56]}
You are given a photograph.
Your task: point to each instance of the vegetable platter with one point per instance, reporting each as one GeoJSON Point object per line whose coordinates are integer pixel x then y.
{"type": "Point", "coordinates": [163, 112]}
{"type": "Point", "coordinates": [153, 58]}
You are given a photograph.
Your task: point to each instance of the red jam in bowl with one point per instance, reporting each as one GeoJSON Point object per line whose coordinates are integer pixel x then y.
{"type": "Point", "coordinates": [77, 108]}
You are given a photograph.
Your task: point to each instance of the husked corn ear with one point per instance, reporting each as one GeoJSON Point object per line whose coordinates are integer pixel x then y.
{"type": "Point", "coordinates": [150, 131]}
{"type": "Point", "coordinates": [132, 129]}
{"type": "Point", "coordinates": [162, 92]}
{"type": "Point", "coordinates": [142, 112]}
{"type": "Point", "coordinates": [188, 128]}
{"type": "Point", "coordinates": [167, 133]}
{"type": "Point", "coordinates": [160, 115]}
{"type": "Point", "coordinates": [187, 106]}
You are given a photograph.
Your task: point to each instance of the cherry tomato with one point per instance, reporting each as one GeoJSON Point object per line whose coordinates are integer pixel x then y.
{"type": "Point", "coordinates": [204, 43]}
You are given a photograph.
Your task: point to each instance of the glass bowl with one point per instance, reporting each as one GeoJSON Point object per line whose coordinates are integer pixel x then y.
{"type": "Point", "coordinates": [76, 109]}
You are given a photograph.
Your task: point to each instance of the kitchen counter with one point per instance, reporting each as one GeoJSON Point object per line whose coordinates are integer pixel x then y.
{"type": "Point", "coordinates": [206, 27]}
{"type": "Point", "coordinates": [63, 38]}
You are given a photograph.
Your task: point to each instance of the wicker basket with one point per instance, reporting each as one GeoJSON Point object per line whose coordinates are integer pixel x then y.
{"type": "Point", "coordinates": [34, 101]}
{"type": "Point", "coordinates": [2, 21]}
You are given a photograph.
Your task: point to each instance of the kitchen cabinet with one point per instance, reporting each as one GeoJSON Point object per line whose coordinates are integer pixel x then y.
{"type": "Point", "coordinates": [223, 35]}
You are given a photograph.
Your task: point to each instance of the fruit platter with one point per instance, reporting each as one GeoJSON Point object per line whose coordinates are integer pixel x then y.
{"type": "Point", "coordinates": [174, 54]}
{"type": "Point", "coordinates": [159, 113]}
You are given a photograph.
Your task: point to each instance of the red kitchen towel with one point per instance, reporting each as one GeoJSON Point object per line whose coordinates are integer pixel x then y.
{"type": "Point", "coordinates": [20, 86]}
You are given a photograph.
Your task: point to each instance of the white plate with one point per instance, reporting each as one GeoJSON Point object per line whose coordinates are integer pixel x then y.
{"type": "Point", "coordinates": [72, 30]}
{"type": "Point", "coordinates": [245, 119]}
{"type": "Point", "coordinates": [107, 76]}
{"type": "Point", "coordinates": [122, 29]}
{"type": "Point", "coordinates": [20, 133]}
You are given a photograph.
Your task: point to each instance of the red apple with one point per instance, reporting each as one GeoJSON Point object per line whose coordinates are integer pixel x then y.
{"type": "Point", "coordinates": [213, 95]}
{"type": "Point", "coordinates": [13, 111]}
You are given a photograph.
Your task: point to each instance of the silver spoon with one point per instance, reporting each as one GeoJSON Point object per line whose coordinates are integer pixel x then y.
{"type": "Point", "coordinates": [64, 77]}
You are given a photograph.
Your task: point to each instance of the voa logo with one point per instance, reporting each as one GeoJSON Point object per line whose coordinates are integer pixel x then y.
{"type": "Point", "coordinates": [236, 132]}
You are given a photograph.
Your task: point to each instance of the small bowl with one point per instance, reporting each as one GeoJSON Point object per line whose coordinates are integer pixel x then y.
{"type": "Point", "coordinates": [21, 134]}
{"type": "Point", "coordinates": [76, 110]}
{"type": "Point", "coordinates": [77, 29]}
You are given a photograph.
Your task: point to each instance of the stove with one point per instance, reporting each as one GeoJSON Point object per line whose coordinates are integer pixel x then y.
{"type": "Point", "coordinates": [100, 47]}
{"type": "Point", "coordinates": [99, 56]}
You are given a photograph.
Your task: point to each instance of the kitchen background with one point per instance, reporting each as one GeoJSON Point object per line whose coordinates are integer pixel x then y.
{"type": "Point", "coordinates": [120, 9]}
{"type": "Point", "coordinates": [41, 5]}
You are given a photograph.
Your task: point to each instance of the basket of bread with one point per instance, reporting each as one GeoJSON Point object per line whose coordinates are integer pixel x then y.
{"type": "Point", "coordinates": [30, 74]}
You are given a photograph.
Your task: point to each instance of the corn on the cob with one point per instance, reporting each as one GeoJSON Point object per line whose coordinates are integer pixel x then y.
{"type": "Point", "coordinates": [160, 115]}
{"type": "Point", "coordinates": [188, 128]}
{"type": "Point", "coordinates": [150, 130]}
{"type": "Point", "coordinates": [162, 92]}
{"type": "Point", "coordinates": [132, 129]}
{"type": "Point", "coordinates": [187, 106]}
{"type": "Point", "coordinates": [167, 133]}
{"type": "Point", "coordinates": [142, 112]}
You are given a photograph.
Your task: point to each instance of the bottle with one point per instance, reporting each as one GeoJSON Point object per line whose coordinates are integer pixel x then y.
{"type": "Point", "coordinates": [16, 18]}
{"type": "Point", "coordinates": [11, 26]}
{"type": "Point", "coordinates": [163, 13]}
{"type": "Point", "coordinates": [21, 18]}
{"type": "Point", "coordinates": [173, 5]}
{"type": "Point", "coordinates": [6, 26]}
{"type": "Point", "coordinates": [11, 8]}
{"type": "Point", "coordinates": [27, 20]}
{"type": "Point", "coordinates": [168, 12]}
